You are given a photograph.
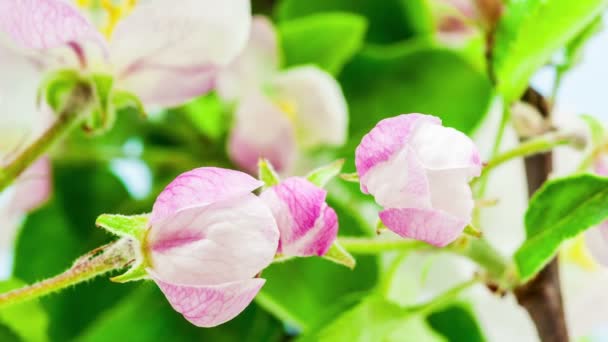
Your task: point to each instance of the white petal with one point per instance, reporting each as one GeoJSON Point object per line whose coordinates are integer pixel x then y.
{"type": "Point", "coordinates": [321, 112]}
{"type": "Point", "coordinates": [441, 147]}
{"type": "Point", "coordinates": [225, 241]}
{"type": "Point", "coordinates": [597, 242]}
{"type": "Point", "coordinates": [451, 192]}
{"type": "Point", "coordinates": [256, 64]}
{"type": "Point", "coordinates": [168, 53]}
{"type": "Point", "coordinates": [18, 85]}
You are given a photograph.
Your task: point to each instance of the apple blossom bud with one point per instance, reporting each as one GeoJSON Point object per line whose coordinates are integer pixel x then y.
{"type": "Point", "coordinates": [419, 172]}
{"type": "Point", "coordinates": [307, 225]}
{"type": "Point", "coordinates": [208, 239]}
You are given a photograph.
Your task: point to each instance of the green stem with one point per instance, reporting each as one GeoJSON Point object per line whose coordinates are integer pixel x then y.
{"type": "Point", "coordinates": [445, 298]}
{"type": "Point", "coordinates": [531, 147]}
{"type": "Point", "coordinates": [361, 245]}
{"type": "Point", "coordinates": [77, 104]}
{"type": "Point", "coordinates": [481, 252]}
{"type": "Point", "coordinates": [477, 250]}
{"type": "Point", "coordinates": [97, 262]}
{"type": "Point", "coordinates": [483, 180]}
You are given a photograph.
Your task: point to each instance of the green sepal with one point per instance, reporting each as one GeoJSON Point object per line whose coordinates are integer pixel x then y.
{"type": "Point", "coordinates": [135, 228]}
{"type": "Point", "coordinates": [124, 226]}
{"type": "Point", "coordinates": [123, 100]}
{"type": "Point", "coordinates": [350, 177]}
{"type": "Point", "coordinates": [56, 86]}
{"type": "Point", "coordinates": [267, 173]}
{"type": "Point", "coordinates": [136, 272]}
{"type": "Point", "coordinates": [340, 255]}
{"type": "Point", "coordinates": [104, 115]}
{"type": "Point", "coordinates": [321, 176]}
{"type": "Point", "coordinates": [472, 231]}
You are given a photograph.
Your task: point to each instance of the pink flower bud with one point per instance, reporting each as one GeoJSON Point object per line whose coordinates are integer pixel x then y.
{"type": "Point", "coordinates": [307, 225]}
{"type": "Point", "coordinates": [209, 238]}
{"type": "Point", "coordinates": [419, 172]}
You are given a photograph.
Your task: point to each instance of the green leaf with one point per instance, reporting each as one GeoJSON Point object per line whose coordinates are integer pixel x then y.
{"type": "Point", "coordinates": [574, 48]}
{"type": "Point", "coordinates": [457, 323]}
{"type": "Point", "coordinates": [209, 115]}
{"type": "Point", "coordinates": [531, 32]}
{"type": "Point", "coordinates": [389, 20]}
{"type": "Point", "coordinates": [28, 320]}
{"type": "Point", "coordinates": [373, 319]}
{"type": "Point", "coordinates": [53, 237]}
{"type": "Point", "coordinates": [328, 40]}
{"type": "Point", "coordinates": [340, 256]}
{"type": "Point", "coordinates": [146, 316]}
{"type": "Point", "coordinates": [321, 176]}
{"type": "Point", "coordinates": [560, 210]}
{"type": "Point", "coordinates": [267, 173]}
{"type": "Point", "coordinates": [410, 77]}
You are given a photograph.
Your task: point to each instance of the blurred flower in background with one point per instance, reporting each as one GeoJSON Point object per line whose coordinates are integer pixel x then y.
{"type": "Point", "coordinates": [278, 113]}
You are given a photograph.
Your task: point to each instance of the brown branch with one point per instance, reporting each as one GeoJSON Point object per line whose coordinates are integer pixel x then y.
{"type": "Point", "coordinates": [542, 297]}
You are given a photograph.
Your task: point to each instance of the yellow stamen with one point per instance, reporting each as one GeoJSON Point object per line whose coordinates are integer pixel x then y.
{"type": "Point", "coordinates": [83, 3]}
{"type": "Point", "coordinates": [288, 108]}
{"type": "Point", "coordinates": [114, 14]}
{"type": "Point", "coordinates": [576, 252]}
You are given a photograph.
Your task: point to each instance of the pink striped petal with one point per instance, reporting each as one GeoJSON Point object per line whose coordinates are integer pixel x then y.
{"type": "Point", "coordinates": [33, 187]}
{"type": "Point", "coordinates": [45, 24]}
{"type": "Point", "coordinates": [200, 187]}
{"type": "Point", "coordinates": [255, 65]}
{"type": "Point", "coordinates": [261, 130]}
{"type": "Point", "coordinates": [209, 306]}
{"type": "Point", "coordinates": [167, 54]}
{"type": "Point", "coordinates": [321, 113]}
{"type": "Point", "coordinates": [307, 225]}
{"type": "Point", "coordinates": [596, 240]}
{"type": "Point", "coordinates": [441, 148]}
{"type": "Point", "coordinates": [225, 241]}
{"type": "Point", "coordinates": [386, 139]}
{"type": "Point", "coordinates": [429, 225]}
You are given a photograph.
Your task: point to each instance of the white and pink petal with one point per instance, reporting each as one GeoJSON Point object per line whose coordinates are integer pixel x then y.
{"type": "Point", "coordinates": [225, 241]}
{"type": "Point", "coordinates": [399, 182]}
{"type": "Point", "coordinates": [33, 187]}
{"type": "Point", "coordinates": [261, 130]}
{"type": "Point", "coordinates": [441, 148]}
{"type": "Point", "coordinates": [45, 24]}
{"type": "Point", "coordinates": [386, 139]}
{"type": "Point", "coordinates": [200, 187]}
{"type": "Point", "coordinates": [320, 110]}
{"type": "Point", "coordinates": [190, 42]}
{"type": "Point", "coordinates": [209, 306]}
{"type": "Point", "coordinates": [596, 240]}
{"type": "Point", "coordinates": [255, 66]}
{"type": "Point", "coordinates": [433, 226]}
